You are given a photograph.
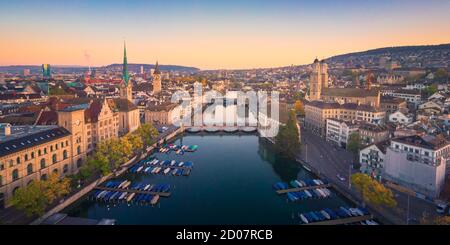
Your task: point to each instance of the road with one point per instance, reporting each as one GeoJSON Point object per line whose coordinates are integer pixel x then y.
{"type": "Point", "coordinates": [329, 161]}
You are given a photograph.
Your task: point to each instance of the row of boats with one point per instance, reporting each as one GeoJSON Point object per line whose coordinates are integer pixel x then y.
{"type": "Point", "coordinates": [298, 184]}
{"type": "Point", "coordinates": [155, 166]}
{"type": "Point", "coordinates": [317, 193]}
{"type": "Point", "coordinates": [178, 149]}
{"type": "Point", "coordinates": [123, 194]}
{"type": "Point", "coordinates": [339, 213]}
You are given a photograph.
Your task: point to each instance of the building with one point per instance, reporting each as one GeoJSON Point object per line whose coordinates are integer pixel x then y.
{"type": "Point", "coordinates": [319, 89]}
{"type": "Point", "coordinates": [410, 96]}
{"type": "Point", "coordinates": [126, 88]}
{"type": "Point", "coordinates": [372, 133]}
{"type": "Point", "coordinates": [30, 153]}
{"type": "Point", "coordinates": [392, 104]}
{"type": "Point", "coordinates": [128, 112]}
{"type": "Point", "coordinates": [339, 131]}
{"type": "Point", "coordinates": [399, 117]}
{"type": "Point", "coordinates": [317, 112]}
{"type": "Point", "coordinates": [372, 159]}
{"type": "Point", "coordinates": [156, 79]}
{"type": "Point", "coordinates": [418, 163]}
{"type": "Point", "coordinates": [160, 114]}
{"type": "Point", "coordinates": [46, 71]}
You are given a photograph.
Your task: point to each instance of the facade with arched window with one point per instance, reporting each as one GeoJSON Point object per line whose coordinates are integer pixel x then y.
{"type": "Point", "coordinates": [32, 155]}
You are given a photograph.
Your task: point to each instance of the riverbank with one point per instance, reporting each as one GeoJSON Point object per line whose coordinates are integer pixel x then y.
{"type": "Point", "coordinates": [168, 135]}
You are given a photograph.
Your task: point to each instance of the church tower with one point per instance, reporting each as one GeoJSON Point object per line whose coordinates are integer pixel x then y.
{"type": "Point", "coordinates": [324, 74]}
{"type": "Point", "coordinates": [315, 81]}
{"type": "Point", "coordinates": [125, 85]}
{"type": "Point", "coordinates": [156, 79]}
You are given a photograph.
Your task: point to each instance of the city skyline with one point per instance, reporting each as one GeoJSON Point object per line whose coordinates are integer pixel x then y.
{"type": "Point", "coordinates": [225, 35]}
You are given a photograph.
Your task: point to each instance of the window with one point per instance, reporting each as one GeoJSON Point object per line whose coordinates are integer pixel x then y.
{"type": "Point", "coordinates": [1, 180]}
{"type": "Point", "coordinates": [51, 148]}
{"type": "Point", "coordinates": [32, 155]}
{"type": "Point", "coordinates": [42, 163]}
{"type": "Point", "coordinates": [55, 171]}
{"type": "Point", "coordinates": [18, 160]}
{"type": "Point", "coordinates": [78, 149]}
{"type": "Point", "coordinates": [62, 144]}
{"type": "Point", "coordinates": [54, 160]}
{"type": "Point", "coordinates": [65, 154]}
{"type": "Point", "coordinates": [56, 146]}
{"type": "Point", "coordinates": [65, 168]}
{"type": "Point", "coordinates": [39, 152]}
{"type": "Point", "coordinates": [45, 150]}
{"type": "Point", "coordinates": [29, 169]}
{"type": "Point", "coordinates": [15, 174]}
{"type": "Point", "coordinates": [67, 142]}
{"type": "Point", "coordinates": [44, 177]}
{"type": "Point", "coordinates": [2, 166]}
{"type": "Point", "coordinates": [26, 157]}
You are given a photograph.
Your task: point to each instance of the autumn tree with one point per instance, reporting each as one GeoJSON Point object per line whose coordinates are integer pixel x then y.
{"type": "Point", "coordinates": [299, 108]}
{"type": "Point", "coordinates": [148, 133]}
{"type": "Point", "coordinates": [35, 198]}
{"type": "Point", "coordinates": [373, 191]}
{"type": "Point", "coordinates": [135, 141]}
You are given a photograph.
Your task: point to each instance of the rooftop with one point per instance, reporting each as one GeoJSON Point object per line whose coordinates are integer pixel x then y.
{"type": "Point", "coordinates": [23, 137]}
{"type": "Point", "coordinates": [350, 92]}
{"type": "Point", "coordinates": [428, 142]}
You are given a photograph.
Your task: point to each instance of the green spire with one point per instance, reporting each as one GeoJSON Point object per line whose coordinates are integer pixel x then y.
{"type": "Point", "coordinates": [125, 75]}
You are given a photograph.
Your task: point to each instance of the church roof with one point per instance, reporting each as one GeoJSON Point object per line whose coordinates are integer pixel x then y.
{"type": "Point", "coordinates": [349, 92]}
{"type": "Point", "coordinates": [123, 105]}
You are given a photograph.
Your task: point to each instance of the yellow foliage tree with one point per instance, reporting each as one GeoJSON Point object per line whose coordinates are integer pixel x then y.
{"type": "Point", "coordinates": [373, 191]}
{"type": "Point", "coordinates": [299, 108]}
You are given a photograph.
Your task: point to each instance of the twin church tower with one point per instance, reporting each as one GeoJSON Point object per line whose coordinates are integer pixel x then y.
{"type": "Point", "coordinates": [126, 86]}
{"type": "Point", "coordinates": [318, 79]}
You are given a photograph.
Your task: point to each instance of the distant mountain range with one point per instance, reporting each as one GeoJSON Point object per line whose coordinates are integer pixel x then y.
{"type": "Point", "coordinates": [423, 55]}
{"type": "Point", "coordinates": [18, 69]}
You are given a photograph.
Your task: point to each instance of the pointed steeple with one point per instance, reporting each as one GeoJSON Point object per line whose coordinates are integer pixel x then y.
{"type": "Point", "coordinates": [125, 75]}
{"type": "Point", "coordinates": [157, 71]}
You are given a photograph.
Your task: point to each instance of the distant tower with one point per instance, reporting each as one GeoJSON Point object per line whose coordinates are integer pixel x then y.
{"type": "Point", "coordinates": [315, 83]}
{"type": "Point", "coordinates": [125, 85]}
{"type": "Point", "coordinates": [369, 79]}
{"type": "Point", "coordinates": [324, 74]}
{"type": "Point", "coordinates": [156, 79]}
{"type": "Point", "coordinates": [46, 72]}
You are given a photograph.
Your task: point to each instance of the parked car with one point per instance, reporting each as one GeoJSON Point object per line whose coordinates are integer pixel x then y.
{"type": "Point", "coordinates": [341, 178]}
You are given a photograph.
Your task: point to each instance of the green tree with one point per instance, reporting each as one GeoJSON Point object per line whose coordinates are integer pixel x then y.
{"type": "Point", "coordinates": [373, 191]}
{"type": "Point", "coordinates": [35, 198]}
{"type": "Point", "coordinates": [354, 143]}
{"type": "Point", "coordinates": [135, 141]}
{"type": "Point", "coordinates": [287, 140]}
{"type": "Point", "coordinates": [441, 75]}
{"type": "Point", "coordinates": [433, 88]}
{"type": "Point", "coordinates": [148, 133]}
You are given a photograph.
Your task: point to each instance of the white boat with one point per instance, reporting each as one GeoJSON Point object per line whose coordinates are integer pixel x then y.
{"type": "Point", "coordinates": [308, 193]}
{"type": "Point", "coordinates": [158, 169]}
{"type": "Point", "coordinates": [139, 169]}
{"type": "Point", "coordinates": [121, 184]}
{"type": "Point", "coordinates": [298, 183]}
{"type": "Point", "coordinates": [128, 183]}
{"type": "Point", "coordinates": [146, 187]}
{"type": "Point", "coordinates": [122, 196]}
{"type": "Point", "coordinates": [100, 195]}
{"type": "Point", "coordinates": [304, 219]}
{"type": "Point", "coordinates": [180, 164]}
{"type": "Point", "coordinates": [325, 214]}
{"type": "Point", "coordinates": [172, 163]}
{"type": "Point", "coordinates": [166, 171]}
{"type": "Point", "coordinates": [174, 171]}
{"type": "Point", "coordinates": [318, 192]}
{"type": "Point", "coordinates": [302, 182]}
{"type": "Point", "coordinates": [359, 211]}
{"type": "Point", "coordinates": [154, 200]}
{"type": "Point", "coordinates": [129, 197]}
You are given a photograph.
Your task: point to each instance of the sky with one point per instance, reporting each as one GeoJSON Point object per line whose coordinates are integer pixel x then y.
{"type": "Point", "coordinates": [213, 34]}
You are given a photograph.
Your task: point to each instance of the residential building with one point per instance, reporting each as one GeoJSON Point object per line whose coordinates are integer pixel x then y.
{"type": "Point", "coordinates": [160, 114]}
{"type": "Point", "coordinates": [418, 163]}
{"type": "Point", "coordinates": [399, 117]}
{"type": "Point", "coordinates": [372, 159]}
{"type": "Point", "coordinates": [30, 153]}
{"type": "Point", "coordinates": [372, 133]}
{"type": "Point", "coordinates": [392, 104]}
{"type": "Point", "coordinates": [339, 131]}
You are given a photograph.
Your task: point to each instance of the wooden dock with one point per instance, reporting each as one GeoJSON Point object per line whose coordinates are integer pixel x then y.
{"type": "Point", "coordinates": [342, 221]}
{"type": "Point", "coordinates": [302, 188]}
{"type": "Point", "coordinates": [162, 194]}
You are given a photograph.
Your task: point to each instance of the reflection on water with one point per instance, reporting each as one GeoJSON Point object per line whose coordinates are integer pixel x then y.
{"type": "Point", "coordinates": [231, 183]}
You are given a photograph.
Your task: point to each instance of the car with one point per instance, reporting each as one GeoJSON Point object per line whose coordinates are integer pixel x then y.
{"type": "Point", "coordinates": [341, 178]}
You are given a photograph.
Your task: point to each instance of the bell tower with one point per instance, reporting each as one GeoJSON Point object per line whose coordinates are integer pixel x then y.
{"type": "Point", "coordinates": [125, 85]}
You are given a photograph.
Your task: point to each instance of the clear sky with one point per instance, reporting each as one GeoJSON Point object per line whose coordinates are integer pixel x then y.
{"type": "Point", "coordinates": [212, 34]}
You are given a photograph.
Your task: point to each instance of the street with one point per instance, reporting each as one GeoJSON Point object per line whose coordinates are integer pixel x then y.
{"type": "Point", "coordinates": [330, 161]}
